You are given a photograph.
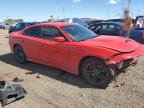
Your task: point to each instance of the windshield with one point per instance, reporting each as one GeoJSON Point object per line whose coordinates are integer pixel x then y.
{"type": "Point", "coordinates": [78, 33]}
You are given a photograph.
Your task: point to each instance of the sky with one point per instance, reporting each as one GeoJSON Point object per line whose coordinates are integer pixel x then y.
{"type": "Point", "coordinates": [41, 10]}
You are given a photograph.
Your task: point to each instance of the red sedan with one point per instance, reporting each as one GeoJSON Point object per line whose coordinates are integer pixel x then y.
{"type": "Point", "coordinates": [75, 49]}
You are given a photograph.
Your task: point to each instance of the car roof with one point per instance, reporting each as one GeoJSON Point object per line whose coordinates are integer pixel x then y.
{"type": "Point", "coordinates": [116, 23]}
{"type": "Point", "coordinates": [58, 24]}
{"type": "Point", "coordinates": [111, 22]}
{"type": "Point", "coordinates": [29, 22]}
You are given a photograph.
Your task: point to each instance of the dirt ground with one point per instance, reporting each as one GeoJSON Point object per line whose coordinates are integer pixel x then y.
{"type": "Point", "coordinates": [58, 90]}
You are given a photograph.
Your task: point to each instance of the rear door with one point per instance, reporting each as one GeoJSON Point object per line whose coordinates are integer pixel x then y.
{"type": "Point", "coordinates": [32, 43]}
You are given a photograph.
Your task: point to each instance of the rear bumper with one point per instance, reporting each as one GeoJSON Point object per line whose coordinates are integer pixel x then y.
{"type": "Point", "coordinates": [126, 56]}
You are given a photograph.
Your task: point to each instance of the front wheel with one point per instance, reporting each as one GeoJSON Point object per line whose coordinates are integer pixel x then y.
{"type": "Point", "coordinates": [19, 54]}
{"type": "Point", "coordinates": [96, 72]}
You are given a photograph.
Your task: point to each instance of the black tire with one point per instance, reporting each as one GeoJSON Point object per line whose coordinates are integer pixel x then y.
{"type": "Point", "coordinates": [19, 54]}
{"type": "Point", "coordinates": [96, 72]}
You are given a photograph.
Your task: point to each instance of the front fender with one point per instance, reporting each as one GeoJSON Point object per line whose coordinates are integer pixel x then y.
{"type": "Point", "coordinates": [126, 56]}
{"type": "Point", "coordinates": [102, 53]}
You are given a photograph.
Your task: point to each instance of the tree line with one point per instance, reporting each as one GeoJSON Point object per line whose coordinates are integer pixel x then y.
{"type": "Point", "coordinates": [12, 21]}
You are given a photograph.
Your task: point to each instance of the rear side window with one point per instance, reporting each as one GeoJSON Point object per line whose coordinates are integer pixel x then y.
{"type": "Point", "coordinates": [104, 27]}
{"type": "Point", "coordinates": [50, 32]}
{"type": "Point", "coordinates": [108, 27]}
{"type": "Point", "coordinates": [111, 27]}
{"type": "Point", "coordinates": [34, 32]}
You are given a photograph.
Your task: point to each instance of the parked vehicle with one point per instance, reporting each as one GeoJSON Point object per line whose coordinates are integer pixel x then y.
{"type": "Point", "coordinates": [2, 26]}
{"type": "Point", "coordinates": [108, 28]}
{"type": "Point", "coordinates": [77, 21]}
{"type": "Point", "coordinates": [6, 26]}
{"type": "Point", "coordinates": [116, 29]}
{"type": "Point", "coordinates": [137, 32]}
{"type": "Point", "coordinates": [12, 26]}
{"type": "Point", "coordinates": [75, 49]}
{"type": "Point", "coordinates": [20, 26]}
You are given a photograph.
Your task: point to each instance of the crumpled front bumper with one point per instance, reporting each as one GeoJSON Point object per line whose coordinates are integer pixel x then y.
{"type": "Point", "coordinates": [126, 56]}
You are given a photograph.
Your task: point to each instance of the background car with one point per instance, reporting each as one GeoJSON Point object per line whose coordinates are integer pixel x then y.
{"type": "Point", "coordinates": [108, 28]}
{"type": "Point", "coordinates": [137, 32]}
{"type": "Point", "coordinates": [116, 29]}
{"type": "Point", "coordinates": [20, 26]}
{"type": "Point", "coordinates": [2, 26]}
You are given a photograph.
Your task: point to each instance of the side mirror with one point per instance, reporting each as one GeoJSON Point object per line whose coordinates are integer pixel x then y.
{"type": "Point", "coordinates": [59, 39]}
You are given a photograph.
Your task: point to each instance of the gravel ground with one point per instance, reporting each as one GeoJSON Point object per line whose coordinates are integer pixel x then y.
{"type": "Point", "coordinates": [56, 89]}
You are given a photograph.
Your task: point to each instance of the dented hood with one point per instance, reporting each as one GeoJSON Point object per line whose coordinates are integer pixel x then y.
{"type": "Point", "coordinates": [119, 44]}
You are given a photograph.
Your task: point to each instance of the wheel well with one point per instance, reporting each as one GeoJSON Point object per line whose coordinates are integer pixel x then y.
{"type": "Point", "coordinates": [83, 59]}
{"type": "Point", "coordinates": [15, 46]}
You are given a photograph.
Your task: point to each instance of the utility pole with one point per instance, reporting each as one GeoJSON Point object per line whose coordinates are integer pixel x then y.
{"type": "Point", "coordinates": [108, 13]}
{"type": "Point", "coordinates": [63, 10]}
{"type": "Point", "coordinates": [129, 2]}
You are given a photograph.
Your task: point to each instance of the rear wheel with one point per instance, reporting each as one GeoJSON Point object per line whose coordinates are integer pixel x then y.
{"type": "Point", "coordinates": [19, 54]}
{"type": "Point", "coordinates": [96, 72]}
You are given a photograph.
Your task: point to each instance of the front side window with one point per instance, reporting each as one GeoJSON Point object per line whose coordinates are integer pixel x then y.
{"type": "Point", "coordinates": [78, 33]}
{"type": "Point", "coordinates": [95, 27]}
{"type": "Point", "coordinates": [34, 32]}
{"type": "Point", "coordinates": [50, 32]}
{"type": "Point", "coordinates": [92, 27]}
{"type": "Point", "coordinates": [98, 27]}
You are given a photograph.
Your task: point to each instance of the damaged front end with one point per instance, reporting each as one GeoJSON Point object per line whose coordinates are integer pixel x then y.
{"type": "Point", "coordinates": [122, 61]}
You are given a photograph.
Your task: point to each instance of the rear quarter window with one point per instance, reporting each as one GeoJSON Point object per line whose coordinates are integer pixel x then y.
{"type": "Point", "coordinates": [34, 32]}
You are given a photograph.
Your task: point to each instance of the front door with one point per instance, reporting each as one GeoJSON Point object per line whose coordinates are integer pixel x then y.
{"type": "Point", "coordinates": [54, 53]}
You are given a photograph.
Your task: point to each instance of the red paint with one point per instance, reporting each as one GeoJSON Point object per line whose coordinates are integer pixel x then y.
{"type": "Point", "coordinates": [67, 55]}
